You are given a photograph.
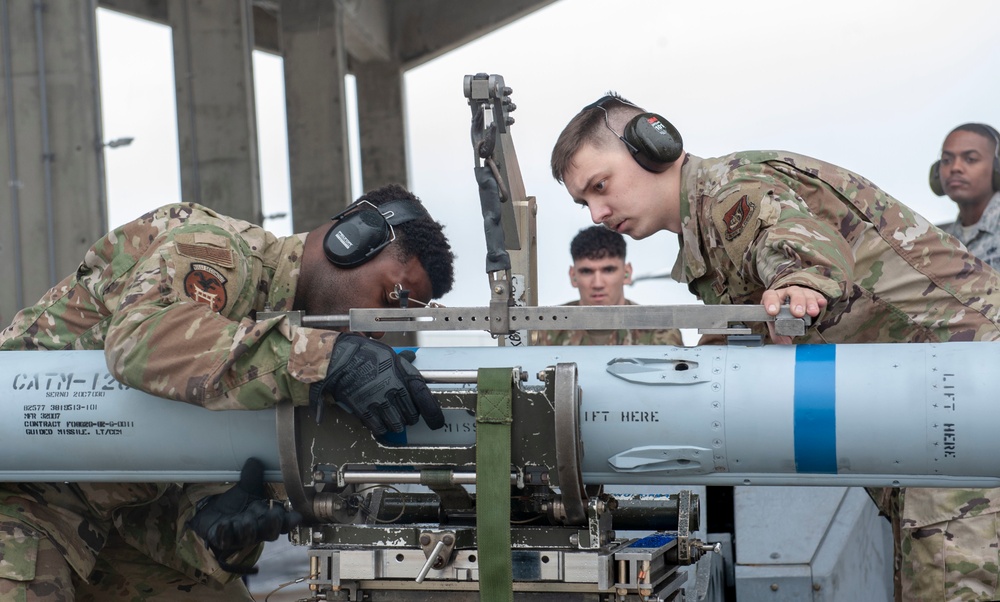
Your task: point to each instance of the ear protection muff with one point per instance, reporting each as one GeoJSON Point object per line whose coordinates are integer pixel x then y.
{"type": "Point", "coordinates": [652, 140]}
{"type": "Point", "coordinates": [934, 178]}
{"type": "Point", "coordinates": [362, 230]}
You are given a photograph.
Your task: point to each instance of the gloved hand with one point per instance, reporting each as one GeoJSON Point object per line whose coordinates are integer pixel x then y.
{"type": "Point", "coordinates": [242, 517]}
{"type": "Point", "coordinates": [380, 387]}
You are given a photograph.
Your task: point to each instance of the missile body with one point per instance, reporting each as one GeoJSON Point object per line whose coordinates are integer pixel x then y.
{"type": "Point", "coordinates": [889, 414]}
{"type": "Point", "coordinates": [65, 418]}
{"type": "Point", "coordinates": [880, 414]}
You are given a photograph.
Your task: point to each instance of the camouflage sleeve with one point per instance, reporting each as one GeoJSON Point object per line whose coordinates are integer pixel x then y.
{"type": "Point", "coordinates": [159, 530]}
{"type": "Point", "coordinates": [555, 337]}
{"type": "Point", "coordinates": [670, 336]}
{"type": "Point", "coordinates": [771, 233]}
{"type": "Point", "coordinates": [664, 336]}
{"type": "Point", "coordinates": [538, 337]}
{"type": "Point", "coordinates": [162, 341]}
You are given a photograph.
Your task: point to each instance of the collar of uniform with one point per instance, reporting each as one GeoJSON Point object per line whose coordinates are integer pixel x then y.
{"type": "Point", "coordinates": [690, 262]}
{"type": "Point", "coordinates": [286, 256]}
{"type": "Point", "coordinates": [990, 221]}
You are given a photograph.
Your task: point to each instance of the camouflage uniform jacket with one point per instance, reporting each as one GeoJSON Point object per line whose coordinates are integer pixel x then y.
{"type": "Point", "coordinates": [171, 299]}
{"type": "Point", "coordinates": [667, 336]}
{"type": "Point", "coordinates": [756, 220]}
{"type": "Point", "coordinates": [982, 238]}
{"type": "Point", "coordinates": [769, 219]}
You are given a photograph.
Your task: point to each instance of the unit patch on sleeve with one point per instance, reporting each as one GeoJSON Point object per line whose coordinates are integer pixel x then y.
{"type": "Point", "coordinates": [207, 285]}
{"type": "Point", "coordinates": [737, 216]}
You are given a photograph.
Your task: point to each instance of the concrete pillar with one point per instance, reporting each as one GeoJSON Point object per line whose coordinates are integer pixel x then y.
{"type": "Point", "coordinates": [216, 116]}
{"type": "Point", "coordinates": [382, 124]}
{"type": "Point", "coordinates": [315, 66]}
{"type": "Point", "coordinates": [51, 151]}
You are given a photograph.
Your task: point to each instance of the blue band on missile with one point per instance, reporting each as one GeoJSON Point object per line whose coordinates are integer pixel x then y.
{"type": "Point", "coordinates": [815, 412]}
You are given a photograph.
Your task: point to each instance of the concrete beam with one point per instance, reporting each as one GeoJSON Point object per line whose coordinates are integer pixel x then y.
{"type": "Point", "coordinates": [315, 65]}
{"type": "Point", "coordinates": [151, 10]}
{"type": "Point", "coordinates": [266, 30]}
{"type": "Point", "coordinates": [216, 116]}
{"type": "Point", "coordinates": [412, 31]}
{"type": "Point", "coordinates": [51, 152]}
{"type": "Point", "coordinates": [427, 29]}
{"type": "Point", "coordinates": [367, 30]}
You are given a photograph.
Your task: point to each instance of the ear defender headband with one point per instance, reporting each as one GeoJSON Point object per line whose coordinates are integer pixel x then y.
{"type": "Point", "coordinates": [363, 230]}
{"type": "Point", "coordinates": [935, 175]}
{"type": "Point", "coordinates": [652, 140]}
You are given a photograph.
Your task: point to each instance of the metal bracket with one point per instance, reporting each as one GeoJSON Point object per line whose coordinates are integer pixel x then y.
{"type": "Point", "coordinates": [708, 319]}
{"type": "Point", "coordinates": [569, 447]}
{"type": "Point", "coordinates": [438, 547]}
{"type": "Point", "coordinates": [683, 526]}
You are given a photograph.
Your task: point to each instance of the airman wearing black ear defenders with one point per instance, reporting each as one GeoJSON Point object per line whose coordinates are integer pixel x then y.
{"type": "Point", "coordinates": [177, 293]}
{"type": "Point", "coordinates": [652, 140]}
{"type": "Point", "coordinates": [362, 230]}
{"type": "Point", "coordinates": [969, 173]}
{"type": "Point", "coordinates": [770, 227]}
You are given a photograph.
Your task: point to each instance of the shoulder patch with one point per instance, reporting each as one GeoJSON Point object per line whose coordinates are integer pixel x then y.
{"type": "Point", "coordinates": [737, 216]}
{"type": "Point", "coordinates": [205, 284]}
{"type": "Point", "coordinates": [206, 246]}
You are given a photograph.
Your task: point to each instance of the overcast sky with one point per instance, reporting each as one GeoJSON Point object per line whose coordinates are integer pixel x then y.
{"type": "Point", "coordinates": [871, 86]}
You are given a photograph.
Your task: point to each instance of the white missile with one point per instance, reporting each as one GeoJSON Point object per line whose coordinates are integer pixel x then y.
{"type": "Point", "coordinates": [67, 419]}
{"type": "Point", "coordinates": [889, 414]}
{"type": "Point", "coordinates": [879, 414]}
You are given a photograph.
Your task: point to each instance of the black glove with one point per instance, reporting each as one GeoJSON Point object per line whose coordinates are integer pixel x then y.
{"type": "Point", "coordinates": [381, 388]}
{"type": "Point", "coordinates": [242, 517]}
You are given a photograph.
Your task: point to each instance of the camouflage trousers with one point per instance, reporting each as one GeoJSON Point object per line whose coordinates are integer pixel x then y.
{"type": "Point", "coordinates": [33, 570]}
{"type": "Point", "coordinates": [950, 561]}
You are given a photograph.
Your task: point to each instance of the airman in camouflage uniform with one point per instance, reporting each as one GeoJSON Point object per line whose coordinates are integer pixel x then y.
{"type": "Point", "coordinates": [770, 226]}
{"type": "Point", "coordinates": [969, 173]}
{"type": "Point", "coordinates": [600, 273]}
{"type": "Point", "coordinates": [665, 336]}
{"type": "Point", "coordinates": [171, 297]}
{"type": "Point", "coordinates": [982, 238]}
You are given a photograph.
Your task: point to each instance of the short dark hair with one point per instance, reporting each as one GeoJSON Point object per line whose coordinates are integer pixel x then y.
{"type": "Point", "coordinates": [597, 242]}
{"type": "Point", "coordinates": [589, 126]}
{"type": "Point", "coordinates": [422, 238]}
{"type": "Point", "coordinates": [986, 131]}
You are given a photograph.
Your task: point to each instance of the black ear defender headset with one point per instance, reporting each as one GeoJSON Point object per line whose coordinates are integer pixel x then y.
{"type": "Point", "coordinates": [935, 175]}
{"type": "Point", "coordinates": [363, 230]}
{"type": "Point", "coordinates": [652, 140]}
